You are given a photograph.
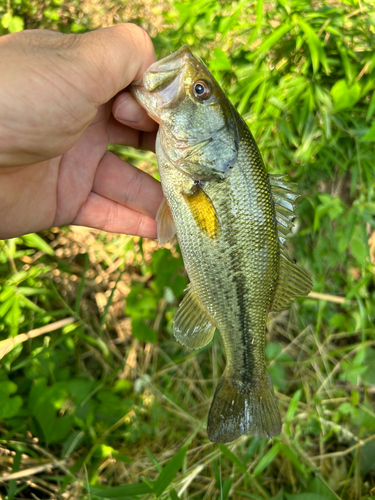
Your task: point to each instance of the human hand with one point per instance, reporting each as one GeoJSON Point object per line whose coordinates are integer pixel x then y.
{"type": "Point", "coordinates": [59, 96]}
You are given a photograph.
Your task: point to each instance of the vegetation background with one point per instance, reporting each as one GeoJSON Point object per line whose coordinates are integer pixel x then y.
{"type": "Point", "coordinates": [102, 403]}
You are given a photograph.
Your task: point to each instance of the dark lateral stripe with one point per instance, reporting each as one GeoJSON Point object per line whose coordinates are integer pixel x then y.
{"type": "Point", "coordinates": [236, 257]}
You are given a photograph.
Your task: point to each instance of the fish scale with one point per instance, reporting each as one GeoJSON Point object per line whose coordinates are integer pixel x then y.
{"type": "Point", "coordinates": [231, 219]}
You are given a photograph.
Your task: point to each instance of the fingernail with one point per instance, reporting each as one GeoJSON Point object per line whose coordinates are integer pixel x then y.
{"type": "Point", "coordinates": [128, 110]}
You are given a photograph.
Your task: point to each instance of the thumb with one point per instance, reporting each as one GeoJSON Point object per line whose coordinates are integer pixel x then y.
{"type": "Point", "coordinates": [111, 58]}
{"type": "Point", "coordinates": [55, 83]}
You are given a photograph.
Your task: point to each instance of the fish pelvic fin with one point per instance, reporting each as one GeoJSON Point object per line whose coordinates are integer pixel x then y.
{"type": "Point", "coordinates": [165, 224]}
{"type": "Point", "coordinates": [192, 326]}
{"type": "Point", "coordinates": [243, 408]}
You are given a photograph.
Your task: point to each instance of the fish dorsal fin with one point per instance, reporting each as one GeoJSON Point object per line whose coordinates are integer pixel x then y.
{"type": "Point", "coordinates": [285, 203]}
{"type": "Point", "coordinates": [293, 281]}
{"type": "Point", "coordinates": [203, 211]}
{"type": "Point", "coordinates": [165, 224]}
{"type": "Point", "coordinates": [192, 326]}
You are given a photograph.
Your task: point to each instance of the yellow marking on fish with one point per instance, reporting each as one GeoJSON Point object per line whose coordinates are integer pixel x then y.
{"type": "Point", "coordinates": [203, 212]}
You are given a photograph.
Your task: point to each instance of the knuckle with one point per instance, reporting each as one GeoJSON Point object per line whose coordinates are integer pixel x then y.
{"type": "Point", "coordinates": [135, 185]}
{"type": "Point", "coordinates": [137, 34]}
{"type": "Point", "coordinates": [140, 226]}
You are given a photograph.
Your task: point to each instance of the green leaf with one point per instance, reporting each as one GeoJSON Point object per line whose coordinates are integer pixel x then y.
{"type": "Point", "coordinates": [270, 41]}
{"type": "Point", "coordinates": [226, 486]}
{"type": "Point", "coordinates": [13, 316]}
{"type": "Point", "coordinates": [9, 406]}
{"type": "Point", "coordinates": [51, 14]}
{"type": "Point", "coordinates": [259, 14]}
{"type": "Point", "coordinates": [228, 22]}
{"type": "Point", "coordinates": [345, 97]}
{"type": "Point", "coordinates": [369, 375]}
{"type": "Point", "coordinates": [354, 396]}
{"type": "Point", "coordinates": [318, 487]}
{"type": "Point", "coordinates": [153, 460]}
{"type": "Point", "coordinates": [289, 453]}
{"type": "Point", "coordinates": [28, 291]}
{"type": "Point", "coordinates": [278, 376]}
{"type": "Point", "coordinates": [316, 49]}
{"type": "Point", "coordinates": [267, 459]}
{"type": "Point", "coordinates": [141, 302]}
{"type": "Point", "coordinates": [45, 404]}
{"type": "Point", "coordinates": [169, 472]}
{"type": "Point", "coordinates": [367, 459]}
{"type": "Point", "coordinates": [6, 20]}
{"type": "Point", "coordinates": [129, 490]}
{"type": "Point", "coordinates": [5, 306]}
{"type": "Point", "coordinates": [25, 302]}
{"type": "Point", "coordinates": [370, 136]}
{"type": "Point", "coordinates": [358, 250]}
{"type": "Point", "coordinates": [279, 496]}
{"type": "Point", "coordinates": [77, 28]}
{"type": "Point", "coordinates": [305, 496]}
{"type": "Point", "coordinates": [12, 23]}
{"type": "Point", "coordinates": [72, 442]}
{"type": "Point", "coordinates": [221, 61]}
{"type": "Point", "coordinates": [165, 266]}
{"type": "Point", "coordinates": [252, 449]}
{"type": "Point", "coordinates": [272, 350]}
{"type": "Point", "coordinates": [173, 494]}
{"type": "Point", "coordinates": [371, 108]}
{"type": "Point", "coordinates": [142, 331]}
{"type": "Point", "coordinates": [344, 53]}
{"type": "Point", "coordinates": [293, 405]}
{"type": "Point", "coordinates": [233, 458]}
{"type": "Point", "coordinates": [16, 24]}
{"type": "Point", "coordinates": [333, 206]}
{"type": "Point", "coordinates": [33, 240]}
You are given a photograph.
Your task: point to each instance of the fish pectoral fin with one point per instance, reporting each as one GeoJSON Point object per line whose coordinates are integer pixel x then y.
{"type": "Point", "coordinates": [194, 150]}
{"type": "Point", "coordinates": [243, 408]}
{"type": "Point", "coordinates": [165, 223]}
{"type": "Point", "coordinates": [293, 282]}
{"type": "Point", "coordinates": [192, 326]}
{"type": "Point", "coordinates": [203, 211]}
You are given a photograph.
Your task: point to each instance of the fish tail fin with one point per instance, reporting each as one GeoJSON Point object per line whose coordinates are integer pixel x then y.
{"type": "Point", "coordinates": [243, 408]}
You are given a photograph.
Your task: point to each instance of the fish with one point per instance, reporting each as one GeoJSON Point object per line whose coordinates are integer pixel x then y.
{"type": "Point", "coordinates": [231, 219]}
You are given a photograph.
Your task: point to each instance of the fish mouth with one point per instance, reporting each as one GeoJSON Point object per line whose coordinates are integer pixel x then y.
{"type": "Point", "coordinates": [164, 80]}
{"type": "Point", "coordinates": [160, 74]}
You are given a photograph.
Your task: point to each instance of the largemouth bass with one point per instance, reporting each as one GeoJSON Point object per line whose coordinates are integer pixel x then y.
{"type": "Point", "coordinates": [231, 219]}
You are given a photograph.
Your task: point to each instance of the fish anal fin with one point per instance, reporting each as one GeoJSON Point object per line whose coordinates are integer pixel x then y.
{"type": "Point", "coordinates": [203, 212]}
{"type": "Point", "coordinates": [192, 326]}
{"type": "Point", "coordinates": [243, 408]}
{"type": "Point", "coordinates": [293, 282]}
{"type": "Point", "coordinates": [165, 224]}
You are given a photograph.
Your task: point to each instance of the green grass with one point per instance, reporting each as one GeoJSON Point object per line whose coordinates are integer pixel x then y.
{"type": "Point", "coordinates": [109, 405]}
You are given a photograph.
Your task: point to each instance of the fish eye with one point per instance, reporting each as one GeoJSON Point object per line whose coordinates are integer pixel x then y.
{"type": "Point", "coordinates": [201, 90]}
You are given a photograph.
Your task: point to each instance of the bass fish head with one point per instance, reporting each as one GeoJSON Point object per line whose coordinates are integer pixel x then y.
{"type": "Point", "coordinates": [198, 124]}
